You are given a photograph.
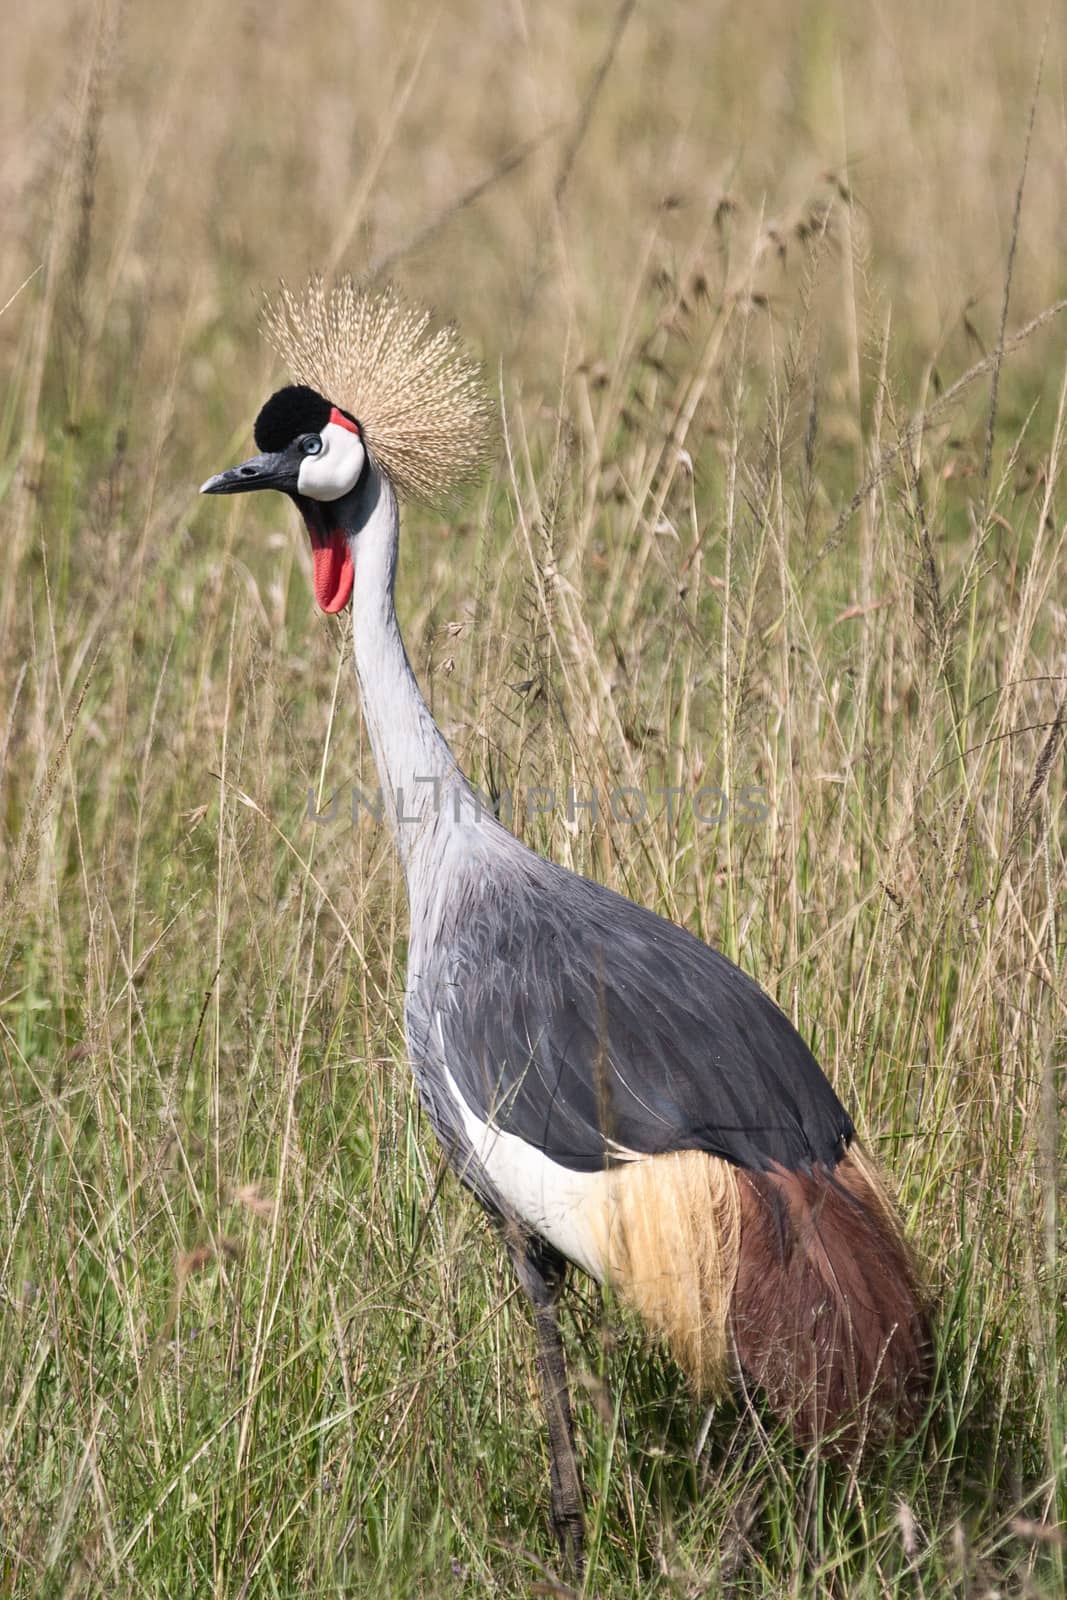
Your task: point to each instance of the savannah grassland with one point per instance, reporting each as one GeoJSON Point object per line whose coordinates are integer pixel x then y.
{"type": "Point", "coordinates": [767, 508]}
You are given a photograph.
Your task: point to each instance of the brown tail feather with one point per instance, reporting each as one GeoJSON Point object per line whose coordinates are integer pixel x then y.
{"type": "Point", "coordinates": [828, 1312]}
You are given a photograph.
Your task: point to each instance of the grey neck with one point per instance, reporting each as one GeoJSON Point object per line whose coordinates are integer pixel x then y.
{"type": "Point", "coordinates": [424, 793]}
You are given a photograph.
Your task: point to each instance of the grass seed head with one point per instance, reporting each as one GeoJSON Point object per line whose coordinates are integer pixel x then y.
{"type": "Point", "coordinates": [419, 396]}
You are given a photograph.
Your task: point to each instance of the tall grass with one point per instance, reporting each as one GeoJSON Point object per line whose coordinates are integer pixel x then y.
{"type": "Point", "coordinates": [728, 266]}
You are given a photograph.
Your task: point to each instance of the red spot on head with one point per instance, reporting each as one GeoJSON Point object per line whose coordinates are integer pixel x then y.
{"type": "Point", "coordinates": [344, 421]}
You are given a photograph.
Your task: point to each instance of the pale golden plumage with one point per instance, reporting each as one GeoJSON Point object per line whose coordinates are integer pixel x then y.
{"type": "Point", "coordinates": [418, 395]}
{"type": "Point", "coordinates": [669, 1232]}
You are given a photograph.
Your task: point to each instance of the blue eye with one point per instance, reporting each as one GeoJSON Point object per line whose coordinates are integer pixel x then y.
{"type": "Point", "coordinates": [312, 445]}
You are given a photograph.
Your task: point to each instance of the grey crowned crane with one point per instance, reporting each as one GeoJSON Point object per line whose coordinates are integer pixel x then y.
{"type": "Point", "coordinates": [616, 1093]}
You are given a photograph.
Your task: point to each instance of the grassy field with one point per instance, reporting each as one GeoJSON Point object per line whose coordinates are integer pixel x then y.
{"type": "Point", "coordinates": [769, 512]}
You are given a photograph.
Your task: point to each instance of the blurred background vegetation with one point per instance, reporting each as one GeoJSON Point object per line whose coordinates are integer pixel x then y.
{"type": "Point", "coordinates": [769, 509]}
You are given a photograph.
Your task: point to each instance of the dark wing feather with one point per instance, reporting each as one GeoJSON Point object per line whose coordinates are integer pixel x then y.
{"type": "Point", "coordinates": [582, 1022]}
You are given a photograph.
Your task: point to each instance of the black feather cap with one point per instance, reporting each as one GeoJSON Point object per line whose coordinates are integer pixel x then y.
{"type": "Point", "coordinates": [292, 411]}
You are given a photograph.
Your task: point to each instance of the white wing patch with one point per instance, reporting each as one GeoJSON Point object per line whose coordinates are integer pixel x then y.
{"type": "Point", "coordinates": [336, 468]}
{"type": "Point", "coordinates": [565, 1207]}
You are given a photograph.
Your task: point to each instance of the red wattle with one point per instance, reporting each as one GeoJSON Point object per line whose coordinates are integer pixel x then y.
{"type": "Point", "coordinates": [332, 572]}
{"type": "Point", "coordinates": [342, 421]}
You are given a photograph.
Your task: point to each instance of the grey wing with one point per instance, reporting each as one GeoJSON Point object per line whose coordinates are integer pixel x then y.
{"type": "Point", "coordinates": [429, 1068]}
{"type": "Point", "coordinates": [589, 1026]}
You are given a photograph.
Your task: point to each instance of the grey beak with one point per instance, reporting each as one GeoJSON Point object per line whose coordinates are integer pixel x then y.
{"type": "Point", "coordinates": [273, 471]}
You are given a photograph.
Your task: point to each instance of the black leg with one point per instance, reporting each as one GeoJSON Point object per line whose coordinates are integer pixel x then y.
{"type": "Point", "coordinates": [540, 1272]}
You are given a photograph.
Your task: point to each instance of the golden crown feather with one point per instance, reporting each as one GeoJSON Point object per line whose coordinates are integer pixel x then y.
{"type": "Point", "coordinates": [416, 392]}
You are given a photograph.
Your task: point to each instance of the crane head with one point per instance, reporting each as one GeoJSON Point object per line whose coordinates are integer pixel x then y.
{"type": "Point", "coordinates": [314, 452]}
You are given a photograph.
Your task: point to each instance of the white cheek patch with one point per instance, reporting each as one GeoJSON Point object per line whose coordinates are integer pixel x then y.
{"type": "Point", "coordinates": [336, 468]}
